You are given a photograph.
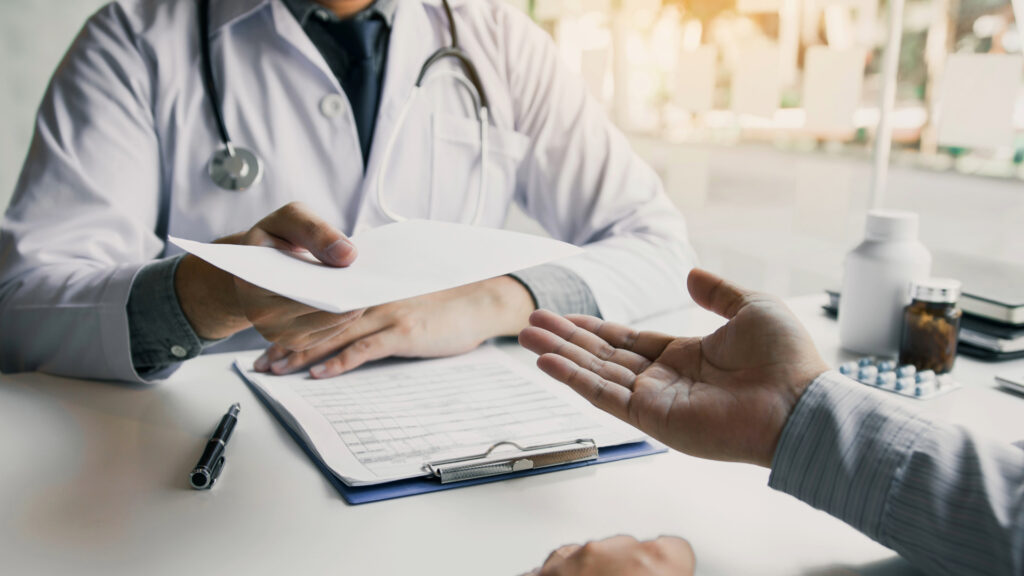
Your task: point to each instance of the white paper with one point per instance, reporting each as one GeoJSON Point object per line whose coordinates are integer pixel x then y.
{"type": "Point", "coordinates": [594, 66]}
{"type": "Point", "coordinates": [547, 10]}
{"type": "Point", "coordinates": [695, 79]}
{"type": "Point", "coordinates": [755, 85]}
{"type": "Point", "coordinates": [633, 6]}
{"type": "Point", "coordinates": [395, 262]}
{"type": "Point", "coordinates": [551, 10]}
{"type": "Point", "coordinates": [758, 6]}
{"type": "Point", "coordinates": [596, 5]}
{"type": "Point", "coordinates": [384, 423]}
{"type": "Point", "coordinates": [832, 87]}
{"type": "Point", "coordinates": [977, 99]}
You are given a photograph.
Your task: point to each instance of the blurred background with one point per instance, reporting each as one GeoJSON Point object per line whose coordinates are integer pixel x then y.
{"type": "Point", "coordinates": [758, 114]}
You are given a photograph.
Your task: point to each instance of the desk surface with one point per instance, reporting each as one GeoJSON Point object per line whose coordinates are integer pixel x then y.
{"type": "Point", "coordinates": [94, 481]}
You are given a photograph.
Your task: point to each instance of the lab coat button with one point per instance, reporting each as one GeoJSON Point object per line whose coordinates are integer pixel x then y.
{"type": "Point", "coordinates": [332, 105]}
{"type": "Point", "coordinates": [179, 351]}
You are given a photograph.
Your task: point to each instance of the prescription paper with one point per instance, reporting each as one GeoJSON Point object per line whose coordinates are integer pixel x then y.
{"type": "Point", "coordinates": [758, 6]}
{"type": "Point", "coordinates": [395, 262]}
{"type": "Point", "coordinates": [695, 79]}
{"type": "Point", "coordinates": [755, 84]}
{"type": "Point", "coordinates": [977, 99]}
{"type": "Point", "coordinates": [384, 423]}
{"type": "Point", "coordinates": [832, 87]}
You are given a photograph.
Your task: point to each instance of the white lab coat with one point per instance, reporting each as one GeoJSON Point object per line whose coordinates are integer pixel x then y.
{"type": "Point", "coordinates": [125, 131]}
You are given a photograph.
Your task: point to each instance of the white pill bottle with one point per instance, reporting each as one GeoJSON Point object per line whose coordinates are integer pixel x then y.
{"type": "Point", "coordinates": [876, 283]}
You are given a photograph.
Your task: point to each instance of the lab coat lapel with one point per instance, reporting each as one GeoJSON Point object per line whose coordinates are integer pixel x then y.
{"type": "Point", "coordinates": [225, 12]}
{"type": "Point", "coordinates": [412, 42]}
{"type": "Point", "coordinates": [289, 29]}
{"type": "Point", "coordinates": [410, 45]}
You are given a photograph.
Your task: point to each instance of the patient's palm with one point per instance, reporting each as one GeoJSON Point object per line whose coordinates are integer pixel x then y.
{"type": "Point", "coordinates": [728, 395]}
{"type": "Point", "coordinates": [725, 396]}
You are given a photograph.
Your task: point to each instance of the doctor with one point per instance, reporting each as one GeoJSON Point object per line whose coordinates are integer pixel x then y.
{"type": "Point", "coordinates": [314, 120]}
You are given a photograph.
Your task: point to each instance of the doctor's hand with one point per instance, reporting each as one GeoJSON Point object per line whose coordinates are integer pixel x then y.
{"type": "Point", "coordinates": [666, 556]}
{"type": "Point", "coordinates": [441, 324]}
{"type": "Point", "coordinates": [218, 304]}
{"type": "Point", "coordinates": [726, 396]}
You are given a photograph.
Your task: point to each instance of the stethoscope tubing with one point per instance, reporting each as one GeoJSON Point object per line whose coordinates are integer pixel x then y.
{"type": "Point", "coordinates": [235, 168]}
{"type": "Point", "coordinates": [483, 116]}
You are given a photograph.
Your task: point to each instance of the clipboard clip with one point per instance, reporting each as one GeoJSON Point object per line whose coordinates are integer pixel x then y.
{"type": "Point", "coordinates": [492, 463]}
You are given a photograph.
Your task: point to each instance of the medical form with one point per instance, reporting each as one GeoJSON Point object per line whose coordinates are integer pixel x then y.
{"type": "Point", "coordinates": [387, 422]}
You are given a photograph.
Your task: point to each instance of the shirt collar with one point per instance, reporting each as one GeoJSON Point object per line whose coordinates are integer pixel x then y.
{"type": "Point", "coordinates": [303, 10]}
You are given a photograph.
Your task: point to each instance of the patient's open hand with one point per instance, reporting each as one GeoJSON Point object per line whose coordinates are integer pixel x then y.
{"type": "Point", "coordinates": [725, 396]}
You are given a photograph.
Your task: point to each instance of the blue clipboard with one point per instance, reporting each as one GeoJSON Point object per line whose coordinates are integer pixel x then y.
{"type": "Point", "coordinates": [413, 486]}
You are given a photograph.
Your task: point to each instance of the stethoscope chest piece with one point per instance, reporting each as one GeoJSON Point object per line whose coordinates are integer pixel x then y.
{"type": "Point", "coordinates": [235, 169]}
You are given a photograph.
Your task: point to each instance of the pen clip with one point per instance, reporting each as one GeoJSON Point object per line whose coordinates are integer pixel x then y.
{"type": "Point", "coordinates": [528, 458]}
{"type": "Point", "coordinates": [216, 470]}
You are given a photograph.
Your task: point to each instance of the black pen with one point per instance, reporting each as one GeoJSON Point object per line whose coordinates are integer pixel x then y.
{"type": "Point", "coordinates": [212, 460]}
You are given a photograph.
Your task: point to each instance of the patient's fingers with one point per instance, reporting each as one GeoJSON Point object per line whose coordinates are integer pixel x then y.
{"type": "Point", "coordinates": [603, 394]}
{"type": "Point", "coordinates": [542, 341]}
{"type": "Point", "coordinates": [586, 339]}
{"type": "Point", "coordinates": [649, 345]}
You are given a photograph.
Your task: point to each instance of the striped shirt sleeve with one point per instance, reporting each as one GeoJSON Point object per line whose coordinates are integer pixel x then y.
{"type": "Point", "coordinates": [944, 499]}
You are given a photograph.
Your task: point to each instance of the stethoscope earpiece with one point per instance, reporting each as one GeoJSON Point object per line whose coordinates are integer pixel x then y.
{"type": "Point", "coordinates": [235, 169]}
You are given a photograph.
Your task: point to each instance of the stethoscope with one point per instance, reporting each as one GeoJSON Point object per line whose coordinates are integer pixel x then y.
{"type": "Point", "coordinates": [235, 168]}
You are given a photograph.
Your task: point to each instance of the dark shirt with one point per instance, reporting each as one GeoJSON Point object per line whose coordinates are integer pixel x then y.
{"type": "Point", "coordinates": [356, 51]}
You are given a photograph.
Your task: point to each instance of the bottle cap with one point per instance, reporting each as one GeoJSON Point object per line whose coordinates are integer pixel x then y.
{"type": "Point", "coordinates": [891, 225]}
{"type": "Point", "coordinates": [936, 290]}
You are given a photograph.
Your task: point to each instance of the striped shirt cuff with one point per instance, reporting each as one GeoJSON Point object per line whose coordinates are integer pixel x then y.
{"type": "Point", "coordinates": [843, 450]}
{"type": "Point", "coordinates": [558, 289]}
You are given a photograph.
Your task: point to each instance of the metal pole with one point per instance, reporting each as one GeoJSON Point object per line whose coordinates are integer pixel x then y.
{"type": "Point", "coordinates": [883, 136]}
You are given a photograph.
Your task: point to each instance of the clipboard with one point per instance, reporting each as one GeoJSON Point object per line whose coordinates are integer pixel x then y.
{"type": "Point", "coordinates": [403, 488]}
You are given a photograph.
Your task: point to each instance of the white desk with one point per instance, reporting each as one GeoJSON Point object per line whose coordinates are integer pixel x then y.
{"type": "Point", "coordinates": [93, 481]}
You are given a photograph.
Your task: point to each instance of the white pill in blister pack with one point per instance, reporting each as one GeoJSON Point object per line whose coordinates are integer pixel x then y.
{"type": "Point", "coordinates": [848, 368]}
{"type": "Point", "coordinates": [905, 383]}
{"type": "Point", "coordinates": [906, 370]}
{"type": "Point", "coordinates": [926, 388]}
{"type": "Point", "coordinates": [867, 372]}
{"type": "Point", "coordinates": [903, 380]}
{"type": "Point", "coordinates": [887, 379]}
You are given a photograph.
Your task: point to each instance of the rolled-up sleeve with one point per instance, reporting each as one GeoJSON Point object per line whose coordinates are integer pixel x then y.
{"type": "Point", "coordinates": [946, 500]}
{"type": "Point", "coordinates": [81, 222]}
{"type": "Point", "coordinates": [558, 289]}
{"type": "Point", "coordinates": [161, 336]}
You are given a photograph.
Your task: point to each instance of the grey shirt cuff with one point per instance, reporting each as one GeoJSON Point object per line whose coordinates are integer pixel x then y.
{"type": "Point", "coordinates": [558, 289]}
{"type": "Point", "coordinates": [161, 335]}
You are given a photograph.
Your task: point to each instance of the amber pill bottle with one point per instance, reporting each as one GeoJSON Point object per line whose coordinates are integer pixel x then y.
{"type": "Point", "coordinates": [931, 325]}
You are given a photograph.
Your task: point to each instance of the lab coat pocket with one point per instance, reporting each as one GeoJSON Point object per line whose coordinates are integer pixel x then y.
{"type": "Point", "coordinates": [456, 185]}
